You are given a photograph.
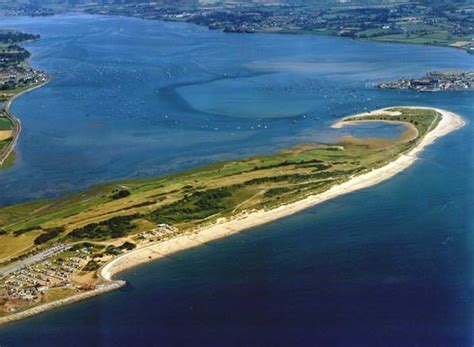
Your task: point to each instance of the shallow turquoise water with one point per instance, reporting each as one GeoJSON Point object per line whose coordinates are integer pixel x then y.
{"type": "Point", "coordinates": [387, 266]}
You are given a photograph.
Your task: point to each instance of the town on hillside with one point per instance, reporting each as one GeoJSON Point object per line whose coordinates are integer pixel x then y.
{"type": "Point", "coordinates": [440, 23]}
{"type": "Point", "coordinates": [434, 81]}
{"type": "Point", "coordinates": [15, 71]}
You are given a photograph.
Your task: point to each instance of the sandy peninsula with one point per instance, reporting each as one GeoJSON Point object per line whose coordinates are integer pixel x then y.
{"type": "Point", "coordinates": [449, 122]}
{"type": "Point", "coordinates": [222, 228]}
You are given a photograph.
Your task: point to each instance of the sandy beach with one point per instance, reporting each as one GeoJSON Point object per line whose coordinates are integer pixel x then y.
{"type": "Point", "coordinates": [449, 122]}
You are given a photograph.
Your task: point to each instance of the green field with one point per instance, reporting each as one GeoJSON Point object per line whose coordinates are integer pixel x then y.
{"type": "Point", "coordinates": [5, 123]}
{"type": "Point", "coordinates": [112, 212]}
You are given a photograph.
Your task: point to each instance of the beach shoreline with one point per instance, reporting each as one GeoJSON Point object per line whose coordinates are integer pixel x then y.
{"type": "Point", "coordinates": [222, 228]}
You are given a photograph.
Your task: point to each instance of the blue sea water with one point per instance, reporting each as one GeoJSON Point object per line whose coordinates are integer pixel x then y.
{"type": "Point", "coordinates": [388, 266]}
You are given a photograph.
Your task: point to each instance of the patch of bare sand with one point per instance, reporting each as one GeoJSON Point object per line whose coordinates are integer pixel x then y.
{"type": "Point", "coordinates": [5, 134]}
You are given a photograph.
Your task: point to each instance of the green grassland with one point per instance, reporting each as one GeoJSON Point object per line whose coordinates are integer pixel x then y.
{"type": "Point", "coordinates": [8, 94]}
{"type": "Point", "coordinates": [438, 38]}
{"type": "Point", "coordinates": [3, 144]}
{"type": "Point", "coordinates": [9, 162]}
{"type": "Point", "coordinates": [195, 198]}
{"type": "Point", "coordinates": [422, 119]}
{"type": "Point", "coordinates": [441, 34]}
{"type": "Point", "coordinates": [5, 123]}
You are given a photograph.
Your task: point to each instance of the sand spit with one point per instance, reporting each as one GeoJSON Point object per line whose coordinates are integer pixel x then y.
{"type": "Point", "coordinates": [449, 122]}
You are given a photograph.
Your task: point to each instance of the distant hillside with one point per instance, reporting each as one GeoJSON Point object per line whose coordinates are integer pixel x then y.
{"type": "Point", "coordinates": [186, 3]}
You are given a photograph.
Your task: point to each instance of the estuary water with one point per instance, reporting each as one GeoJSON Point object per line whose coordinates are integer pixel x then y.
{"type": "Point", "coordinates": [388, 266]}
